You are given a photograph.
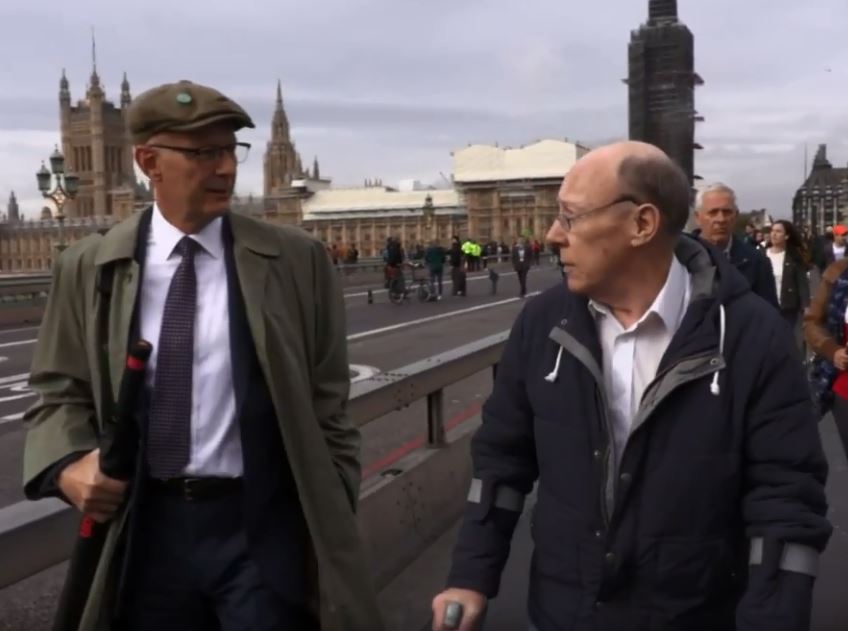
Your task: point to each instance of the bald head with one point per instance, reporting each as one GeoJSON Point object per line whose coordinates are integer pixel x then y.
{"type": "Point", "coordinates": [636, 169]}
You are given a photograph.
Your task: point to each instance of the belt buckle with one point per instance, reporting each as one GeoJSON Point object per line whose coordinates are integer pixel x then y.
{"type": "Point", "coordinates": [189, 485]}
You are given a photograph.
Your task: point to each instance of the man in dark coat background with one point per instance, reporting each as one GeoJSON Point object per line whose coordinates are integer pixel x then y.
{"type": "Point", "coordinates": [664, 413]}
{"type": "Point", "coordinates": [716, 213]}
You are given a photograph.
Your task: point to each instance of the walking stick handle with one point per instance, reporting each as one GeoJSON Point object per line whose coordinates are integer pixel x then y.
{"type": "Point", "coordinates": [453, 615]}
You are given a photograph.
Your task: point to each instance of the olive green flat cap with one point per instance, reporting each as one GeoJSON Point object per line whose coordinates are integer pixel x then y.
{"type": "Point", "coordinates": [182, 106]}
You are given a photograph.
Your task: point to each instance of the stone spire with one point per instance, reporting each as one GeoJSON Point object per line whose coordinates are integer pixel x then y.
{"type": "Point", "coordinates": [280, 122]}
{"type": "Point", "coordinates": [64, 89]}
{"type": "Point", "coordinates": [14, 213]}
{"type": "Point", "coordinates": [316, 173]}
{"type": "Point", "coordinates": [662, 11]}
{"type": "Point", "coordinates": [282, 162]}
{"type": "Point", "coordinates": [126, 97]}
{"type": "Point", "coordinates": [820, 161]}
{"type": "Point", "coordinates": [94, 87]}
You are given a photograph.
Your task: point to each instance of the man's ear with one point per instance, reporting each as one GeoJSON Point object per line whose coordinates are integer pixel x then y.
{"type": "Point", "coordinates": [147, 159]}
{"type": "Point", "coordinates": [647, 224]}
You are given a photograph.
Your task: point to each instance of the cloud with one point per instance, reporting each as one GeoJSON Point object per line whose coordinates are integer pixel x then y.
{"type": "Point", "coordinates": [388, 89]}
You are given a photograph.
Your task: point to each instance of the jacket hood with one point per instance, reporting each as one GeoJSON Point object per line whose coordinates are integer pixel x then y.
{"type": "Point", "coordinates": [713, 275]}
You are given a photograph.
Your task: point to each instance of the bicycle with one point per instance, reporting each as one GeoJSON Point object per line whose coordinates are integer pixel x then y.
{"type": "Point", "coordinates": [400, 290]}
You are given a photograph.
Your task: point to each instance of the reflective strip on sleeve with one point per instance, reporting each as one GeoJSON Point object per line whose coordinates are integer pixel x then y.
{"type": "Point", "coordinates": [794, 557]}
{"type": "Point", "coordinates": [505, 497]}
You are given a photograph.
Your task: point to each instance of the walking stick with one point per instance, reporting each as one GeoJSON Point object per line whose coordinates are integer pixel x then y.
{"type": "Point", "coordinates": [118, 451]}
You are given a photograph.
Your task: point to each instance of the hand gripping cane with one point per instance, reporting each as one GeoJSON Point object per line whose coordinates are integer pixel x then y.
{"type": "Point", "coordinates": [118, 452]}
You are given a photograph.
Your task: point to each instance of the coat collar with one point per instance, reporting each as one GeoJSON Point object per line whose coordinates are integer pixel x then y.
{"type": "Point", "coordinates": [121, 242]}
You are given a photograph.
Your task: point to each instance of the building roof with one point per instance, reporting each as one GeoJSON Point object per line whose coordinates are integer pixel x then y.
{"type": "Point", "coordinates": [545, 159]}
{"type": "Point", "coordinates": [823, 175]}
{"type": "Point", "coordinates": [377, 201]}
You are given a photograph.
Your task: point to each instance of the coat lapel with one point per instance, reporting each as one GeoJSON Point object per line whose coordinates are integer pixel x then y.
{"type": "Point", "coordinates": [253, 250]}
{"type": "Point", "coordinates": [120, 248]}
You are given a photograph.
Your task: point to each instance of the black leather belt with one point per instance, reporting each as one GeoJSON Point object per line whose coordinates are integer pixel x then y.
{"type": "Point", "coordinates": [194, 489]}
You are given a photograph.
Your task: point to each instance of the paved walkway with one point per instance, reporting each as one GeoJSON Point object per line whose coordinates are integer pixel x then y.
{"type": "Point", "coordinates": [830, 613]}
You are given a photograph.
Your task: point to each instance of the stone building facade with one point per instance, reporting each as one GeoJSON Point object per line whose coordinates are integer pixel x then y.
{"type": "Point", "coordinates": [498, 194]}
{"type": "Point", "coordinates": [509, 193]}
{"type": "Point", "coordinates": [822, 200]}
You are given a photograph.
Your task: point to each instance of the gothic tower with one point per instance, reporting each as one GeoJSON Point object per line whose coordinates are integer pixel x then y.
{"type": "Point", "coordinates": [14, 213]}
{"type": "Point", "coordinates": [96, 144]}
{"type": "Point", "coordinates": [282, 162]}
{"type": "Point", "coordinates": [662, 81]}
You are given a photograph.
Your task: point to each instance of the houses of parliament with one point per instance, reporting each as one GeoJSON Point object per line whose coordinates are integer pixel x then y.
{"type": "Point", "coordinates": [497, 194]}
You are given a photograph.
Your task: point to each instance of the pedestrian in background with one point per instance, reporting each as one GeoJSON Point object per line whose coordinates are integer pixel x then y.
{"type": "Point", "coordinates": [789, 263]}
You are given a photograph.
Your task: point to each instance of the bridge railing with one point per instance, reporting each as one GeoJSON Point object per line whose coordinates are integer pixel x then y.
{"type": "Point", "coordinates": [401, 511]}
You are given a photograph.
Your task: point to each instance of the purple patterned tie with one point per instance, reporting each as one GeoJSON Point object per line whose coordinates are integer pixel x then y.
{"type": "Point", "coordinates": [169, 423]}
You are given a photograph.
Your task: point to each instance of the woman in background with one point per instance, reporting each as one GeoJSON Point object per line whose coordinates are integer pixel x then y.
{"type": "Point", "coordinates": [789, 263]}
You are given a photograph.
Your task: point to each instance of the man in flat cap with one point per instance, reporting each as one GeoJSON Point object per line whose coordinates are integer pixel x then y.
{"type": "Point", "coordinates": [241, 514]}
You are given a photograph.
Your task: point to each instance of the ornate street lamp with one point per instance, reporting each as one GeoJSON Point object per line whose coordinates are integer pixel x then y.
{"type": "Point", "coordinates": [66, 187]}
{"type": "Point", "coordinates": [429, 216]}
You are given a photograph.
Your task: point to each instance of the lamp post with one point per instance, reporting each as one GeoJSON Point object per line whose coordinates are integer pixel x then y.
{"type": "Point", "coordinates": [66, 187]}
{"type": "Point", "coordinates": [429, 217]}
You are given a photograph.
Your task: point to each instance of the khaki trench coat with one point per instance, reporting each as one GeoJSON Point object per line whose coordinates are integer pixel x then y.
{"type": "Point", "coordinates": [296, 315]}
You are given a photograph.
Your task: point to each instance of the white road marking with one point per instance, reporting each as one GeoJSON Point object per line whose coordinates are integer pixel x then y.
{"type": "Point", "coordinates": [447, 282]}
{"type": "Point", "coordinates": [14, 378]}
{"type": "Point", "coordinates": [21, 330]}
{"type": "Point", "coordinates": [363, 372]}
{"type": "Point", "coordinates": [19, 343]}
{"type": "Point", "coordinates": [15, 397]}
{"type": "Point", "coordinates": [18, 383]}
{"type": "Point", "coordinates": [440, 316]}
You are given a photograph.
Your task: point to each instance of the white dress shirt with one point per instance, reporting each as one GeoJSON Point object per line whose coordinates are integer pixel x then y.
{"type": "Point", "coordinates": [215, 439]}
{"type": "Point", "coordinates": [631, 357]}
{"type": "Point", "coordinates": [777, 258]}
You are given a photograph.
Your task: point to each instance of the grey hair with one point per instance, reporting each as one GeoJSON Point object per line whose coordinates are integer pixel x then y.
{"type": "Point", "coordinates": [715, 187]}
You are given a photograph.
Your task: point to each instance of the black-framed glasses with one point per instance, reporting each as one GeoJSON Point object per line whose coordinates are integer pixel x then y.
{"type": "Point", "coordinates": [567, 221]}
{"type": "Point", "coordinates": [209, 155]}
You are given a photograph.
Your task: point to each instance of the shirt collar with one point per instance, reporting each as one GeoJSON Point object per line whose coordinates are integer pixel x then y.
{"type": "Point", "coordinates": [670, 303]}
{"type": "Point", "coordinates": [164, 236]}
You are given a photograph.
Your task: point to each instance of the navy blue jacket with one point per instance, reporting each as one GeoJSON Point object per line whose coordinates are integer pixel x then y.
{"type": "Point", "coordinates": [754, 266]}
{"type": "Point", "coordinates": [660, 543]}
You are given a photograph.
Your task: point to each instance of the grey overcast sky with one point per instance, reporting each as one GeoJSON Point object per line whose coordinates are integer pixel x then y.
{"type": "Point", "coordinates": [388, 88]}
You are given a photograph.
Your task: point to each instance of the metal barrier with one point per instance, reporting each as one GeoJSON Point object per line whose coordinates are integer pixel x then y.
{"type": "Point", "coordinates": [399, 515]}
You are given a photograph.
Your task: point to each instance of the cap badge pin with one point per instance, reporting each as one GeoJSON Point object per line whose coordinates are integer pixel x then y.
{"type": "Point", "coordinates": [184, 98]}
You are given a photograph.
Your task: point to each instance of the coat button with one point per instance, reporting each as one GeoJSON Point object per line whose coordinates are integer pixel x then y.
{"type": "Point", "coordinates": [610, 558]}
{"type": "Point", "coordinates": [626, 478]}
{"type": "Point", "coordinates": [599, 604]}
{"type": "Point", "coordinates": [599, 534]}
{"type": "Point", "coordinates": [597, 454]}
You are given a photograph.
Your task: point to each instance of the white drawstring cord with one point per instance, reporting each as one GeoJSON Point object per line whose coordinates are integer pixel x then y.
{"type": "Point", "coordinates": [715, 389]}
{"type": "Point", "coordinates": [552, 377]}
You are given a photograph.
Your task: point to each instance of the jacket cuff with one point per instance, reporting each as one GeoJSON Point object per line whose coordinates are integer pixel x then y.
{"type": "Point", "coordinates": [487, 586]}
{"type": "Point", "coordinates": [46, 483]}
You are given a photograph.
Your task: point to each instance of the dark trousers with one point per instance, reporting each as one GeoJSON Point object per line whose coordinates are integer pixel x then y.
{"type": "Point", "coordinates": [793, 320]}
{"type": "Point", "coordinates": [436, 280]}
{"type": "Point", "coordinates": [840, 417]}
{"type": "Point", "coordinates": [522, 280]}
{"type": "Point", "coordinates": [191, 571]}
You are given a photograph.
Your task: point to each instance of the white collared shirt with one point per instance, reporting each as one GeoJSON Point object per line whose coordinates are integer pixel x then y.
{"type": "Point", "coordinates": [631, 357]}
{"type": "Point", "coordinates": [215, 438]}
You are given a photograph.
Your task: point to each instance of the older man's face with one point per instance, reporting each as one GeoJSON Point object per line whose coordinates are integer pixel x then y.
{"type": "Point", "coordinates": [596, 243]}
{"type": "Point", "coordinates": [716, 217]}
{"type": "Point", "coordinates": [197, 183]}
